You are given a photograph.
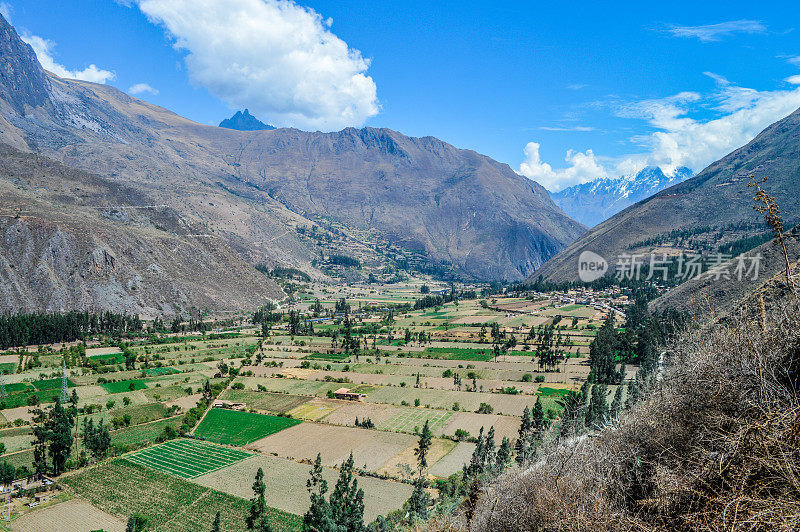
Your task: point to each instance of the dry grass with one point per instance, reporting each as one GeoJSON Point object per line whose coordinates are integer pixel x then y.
{"type": "Point", "coordinates": [714, 447]}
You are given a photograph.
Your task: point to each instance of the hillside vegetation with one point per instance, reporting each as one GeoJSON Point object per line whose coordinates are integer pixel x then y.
{"type": "Point", "coordinates": [713, 447]}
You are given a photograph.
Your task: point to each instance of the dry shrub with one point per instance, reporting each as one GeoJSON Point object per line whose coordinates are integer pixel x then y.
{"type": "Point", "coordinates": [713, 447]}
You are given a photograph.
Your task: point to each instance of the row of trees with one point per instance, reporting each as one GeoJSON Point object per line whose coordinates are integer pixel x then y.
{"type": "Point", "coordinates": [52, 432]}
{"type": "Point", "coordinates": [19, 330]}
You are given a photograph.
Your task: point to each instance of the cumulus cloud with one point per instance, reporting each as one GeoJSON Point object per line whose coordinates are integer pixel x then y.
{"type": "Point", "coordinates": [715, 32]}
{"type": "Point", "coordinates": [275, 57]}
{"type": "Point", "coordinates": [737, 115]}
{"type": "Point", "coordinates": [142, 88]}
{"type": "Point", "coordinates": [44, 53]}
{"type": "Point", "coordinates": [582, 168]}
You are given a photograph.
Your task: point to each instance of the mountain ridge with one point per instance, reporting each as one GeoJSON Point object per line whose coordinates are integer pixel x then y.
{"type": "Point", "coordinates": [593, 202]}
{"type": "Point", "coordinates": [713, 208]}
{"type": "Point", "coordinates": [371, 193]}
{"type": "Point", "coordinates": [72, 240]}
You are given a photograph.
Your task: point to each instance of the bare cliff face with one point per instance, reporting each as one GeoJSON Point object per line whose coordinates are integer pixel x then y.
{"type": "Point", "coordinates": [253, 189]}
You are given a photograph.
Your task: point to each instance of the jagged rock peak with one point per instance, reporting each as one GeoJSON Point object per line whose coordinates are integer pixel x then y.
{"type": "Point", "coordinates": [244, 121]}
{"type": "Point", "coordinates": [23, 82]}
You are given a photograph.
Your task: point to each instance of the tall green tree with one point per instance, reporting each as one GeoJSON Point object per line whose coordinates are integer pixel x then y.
{"type": "Point", "coordinates": [503, 457]}
{"type": "Point", "coordinates": [257, 518]}
{"type": "Point", "coordinates": [423, 446]}
{"type": "Point", "coordinates": [597, 413]}
{"type": "Point", "coordinates": [216, 525]}
{"type": "Point", "coordinates": [347, 500]}
{"type": "Point", "coordinates": [7, 473]}
{"type": "Point", "coordinates": [420, 500]}
{"type": "Point", "coordinates": [522, 435]}
{"type": "Point", "coordinates": [59, 429]}
{"type": "Point", "coordinates": [319, 515]}
{"type": "Point", "coordinates": [136, 523]}
{"type": "Point", "coordinates": [616, 403]}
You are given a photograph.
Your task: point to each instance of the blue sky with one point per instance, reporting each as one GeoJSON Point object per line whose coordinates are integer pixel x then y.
{"type": "Point", "coordinates": [562, 93]}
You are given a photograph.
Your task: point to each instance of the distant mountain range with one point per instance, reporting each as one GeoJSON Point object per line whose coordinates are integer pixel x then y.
{"type": "Point", "coordinates": [712, 209]}
{"type": "Point", "coordinates": [596, 201]}
{"type": "Point", "coordinates": [197, 207]}
{"type": "Point", "coordinates": [244, 121]}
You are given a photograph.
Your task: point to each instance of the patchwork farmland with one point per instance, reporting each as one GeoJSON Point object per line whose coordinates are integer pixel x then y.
{"type": "Point", "coordinates": [192, 416]}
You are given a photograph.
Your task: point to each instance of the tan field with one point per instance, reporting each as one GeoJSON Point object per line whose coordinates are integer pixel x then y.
{"type": "Point", "coordinates": [453, 461]}
{"type": "Point", "coordinates": [380, 496]}
{"type": "Point", "coordinates": [75, 515]}
{"type": "Point", "coordinates": [371, 449]}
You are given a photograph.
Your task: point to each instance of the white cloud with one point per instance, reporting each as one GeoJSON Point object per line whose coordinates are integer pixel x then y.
{"type": "Point", "coordinates": [738, 115]}
{"type": "Point", "coordinates": [583, 167]}
{"type": "Point", "coordinates": [5, 10]}
{"type": "Point", "coordinates": [715, 32]}
{"type": "Point", "coordinates": [794, 60]}
{"type": "Point", "coordinates": [141, 88]}
{"type": "Point", "coordinates": [683, 141]}
{"type": "Point", "coordinates": [571, 128]}
{"type": "Point", "coordinates": [277, 58]}
{"type": "Point", "coordinates": [44, 52]}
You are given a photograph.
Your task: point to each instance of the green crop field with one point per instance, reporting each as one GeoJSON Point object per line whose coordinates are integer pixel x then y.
{"type": "Point", "coordinates": [545, 391]}
{"type": "Point", "coordinates": [151, 372]}
{"type": "Point", "coordinates": [17, 387]}
{"type": "Point", "coordinates": [147, 432]}
{"type": "Point", "coordinates": [334, 357]}
{"type": "Point", "coordinates": [186, 458]}
{"type": "Point", "coordinates": [273, 402]}
{"type": "Point", "coordinates": [456, 353]}
{"type": "Point", "coordinates": [21, 399]}
{"type": "Point", "coordinates": [412, 419]}
{"type": "Point", "coordinates": [142, 413]}
{"type": "Point", "coordinates": [165, 393]}
{"type": "Point", "coordinates": [8, 367]}
{"type": "Point", "coordinates": [124, 386]}
{"type": "Point", "coordinates": [112, 358]}
{"type": "Point", "coordinates": [51, 384]}
{"type": "Point", "coordinates": [169, 504]}
{"type": "Point", "coordinates": [296, 386]}
{"type": "Point", "coordinates": [20, 459]}
{"type": "Point", "coordinates": [233, 427]}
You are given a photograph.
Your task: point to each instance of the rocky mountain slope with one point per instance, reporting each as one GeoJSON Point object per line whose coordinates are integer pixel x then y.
{"type": "Point", "coordinates": [73, 240]}
{"type": "Point", "coordinates": [596, 201]}
{"type": "Point", "coordinates": [713, 296]}
{"type": "Point", "coordinates": [244, 121]}
{"type": "Point", "coordinates": [257, 190]}
{"type": "Point", "coordinates": [715, 207]}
